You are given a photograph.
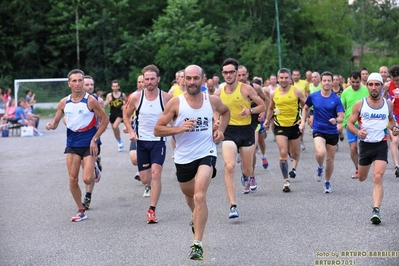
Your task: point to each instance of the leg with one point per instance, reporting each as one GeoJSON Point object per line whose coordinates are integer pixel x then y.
{"type": "Point", "coordinates": [115, 128]}
{"type": "Point", "coordinates": [156, 171]}
{"type": "Point", "coordinates": [73, 164]}
{"type": "Point", "coordinates": [378, 190]}
{"type": "Point", "coordinates": [295, 151]}
{"type": "Point", "coordinates": [320, 150]}
{"type": "Point", "coordinates": [394, 151]}
{"type": "Point", "coordinates": [229, 152]}
{"type": "Point", "coordinates": [330, 155]}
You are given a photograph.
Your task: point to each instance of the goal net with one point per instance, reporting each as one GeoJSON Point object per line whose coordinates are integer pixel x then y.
{"type": "Point", "coordinates": [48, 92]}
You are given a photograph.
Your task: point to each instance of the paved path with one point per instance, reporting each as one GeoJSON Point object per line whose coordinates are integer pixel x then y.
{"type": "Point", "coordinates": [275, 228]}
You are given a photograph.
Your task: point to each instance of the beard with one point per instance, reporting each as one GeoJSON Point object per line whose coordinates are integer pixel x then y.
{"type": "Point", "coordinates": [193, 90]}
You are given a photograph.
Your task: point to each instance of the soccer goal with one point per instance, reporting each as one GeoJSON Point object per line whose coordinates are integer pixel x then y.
{"type": "Point", "coordinates": [48, 92]}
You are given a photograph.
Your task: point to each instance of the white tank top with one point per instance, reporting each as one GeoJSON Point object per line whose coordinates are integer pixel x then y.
{"type": "Point", "coordinates": [197, 143]}
{"type": "Point", "coordinates": [375, 121]}
{"type": "Point", "coordinates": [148, 113]}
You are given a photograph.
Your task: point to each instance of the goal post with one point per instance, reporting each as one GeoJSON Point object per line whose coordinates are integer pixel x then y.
{"type": "Point", "coordinates": [48, 92]}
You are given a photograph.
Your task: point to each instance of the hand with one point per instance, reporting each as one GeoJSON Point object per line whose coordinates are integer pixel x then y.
{"type": "Point", "coordinates": [266, 124]}
{"type": "Point", "coordinates": [261, 116]}
{"type": "Point", "coordinates": [49, 126]}
{"type": "Point", "coordinates": [133, 136]}
{"type": "Point", "coordinates": [301, 127]}
{"type": "Point", "coordinates": [395, 130]}
{"type": "Point", "coordinates": [188, 125]}
{"type": "Point", "coordinates": [362, 133]}
{"type": "Point", "coordinates": [215, 125]}
{"type": "Point", "coordinates": [218, 136]}
{"type": "Point", "coordinates": [244, 112]}
{"type": "Point", "coordinates": [333, 121]}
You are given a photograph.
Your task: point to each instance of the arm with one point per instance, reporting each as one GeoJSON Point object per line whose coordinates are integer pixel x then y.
{"type": "Point", "coordinates": [101, 116]}
{"type": "Point", "coordinates": [224, 117]}
{"type": "Point", "coordinates": [108, 99]}
{"type": "Point", "coordinates": [162, 129]}
{"type": "Point", "coordinates": [305, 111]}
{"type": "Point", "coordinates": [248, 92]}
{"type": "Point", "coordinates": [58, 115]}
{"type": "Point", "coordinates": [128, 110]}
{"type": "Point", "coordinates": [353, 118]}
{"type": "Point", "coordinates": [392, 123]}
{"type": "Point", "coordinates": [301, 97]}
{"type": "Point", "coordinates": [270, 112]}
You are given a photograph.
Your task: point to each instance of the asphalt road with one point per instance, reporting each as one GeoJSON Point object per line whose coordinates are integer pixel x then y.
{"type": "Point", "coordinates": [303, 227]}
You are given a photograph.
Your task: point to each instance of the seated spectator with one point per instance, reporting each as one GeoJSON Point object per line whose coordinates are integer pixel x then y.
{"type": "Point", "coordinates": [30, 99]}
{"type": "Point", "coordinates": [2, 104]}
{"type": "Point", "coordinates": [23, 119]}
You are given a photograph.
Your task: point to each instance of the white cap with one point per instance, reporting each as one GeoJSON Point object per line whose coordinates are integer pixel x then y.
{"type": "Point", "coordinates": [375, 76]}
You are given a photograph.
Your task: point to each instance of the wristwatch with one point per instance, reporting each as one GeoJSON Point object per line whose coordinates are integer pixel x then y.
{"type": "Point", "coordinates": [251, 111]}
{"type": "Point", "coordinates": [96, 140]}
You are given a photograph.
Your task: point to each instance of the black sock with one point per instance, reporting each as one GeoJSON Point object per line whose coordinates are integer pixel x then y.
{"type": "Point", "coordinates": [152, 208]}
{"type": "Point", "coordinates": [88, 195]}
{"type": "Point", "coordinates": [233, 205]}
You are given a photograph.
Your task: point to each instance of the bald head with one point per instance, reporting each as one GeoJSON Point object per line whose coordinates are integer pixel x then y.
{"type": "Point", "coordinates": [384, 73]}
{"type": "Point", "coordinates": [140, 82]}
{"type": "Point", "coordinates": [193, 76]}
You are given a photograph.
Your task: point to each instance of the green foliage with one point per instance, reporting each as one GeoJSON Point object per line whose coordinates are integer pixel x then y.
{"type": "Point", "coordinates": [182, 38]}
{"type": "Point", "coordinates": [116, 39]}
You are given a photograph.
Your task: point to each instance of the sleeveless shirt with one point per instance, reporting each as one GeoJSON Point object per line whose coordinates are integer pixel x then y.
{"type": "Point", "coordinates": [286, 108]}
{"type": "Point", "coordinates": [374, 120]}
{"type": "Point", "coordinates": [234, 101]}
{"type": "Point", "coordinates": [81, 122]}
{"type": "Point", "coordinates": [148, 113]}
{"type": "Point", "coordinates": [197, 143]}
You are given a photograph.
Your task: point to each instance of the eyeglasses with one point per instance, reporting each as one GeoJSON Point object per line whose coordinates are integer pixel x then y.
{"type": "Point", "coordinates": [373, 84]}
{"type": "Point", "coordinates": [231, 72]}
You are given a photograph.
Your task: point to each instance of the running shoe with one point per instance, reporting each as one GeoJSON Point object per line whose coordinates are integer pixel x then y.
{"type": "Point", "coordinates": [147, 192]}
{"type": "Point", "coordinates": [98, 160]}
{"type": "Point", "coordinates": [238, 158]}
{"type": "Point", "coordinates": [303, 146]}
{"type": "Point", "coordinates": [245, 183]}
{"type": "Point", "coordinates": [97, 172]}
{"type": "Point", "coordinates": [137, 177]}
{"type": "Point", "coordinates": [355, 175]}
{"type": "Point", "coordinates": [376, 218]}
{"type": "Point", "coordinates": [233, 213]}
{"type": "Point", "coordinates": [286, 187]}
{"type": "Point", "coordinates": [292, 173]}
{"type": "Point", "coordinates": [86, 203]}
{"type": "Point", "coordinates": [397, 171]}
{"type": "Point", "coordinates": [151, 218]}
{"type": "Point", "coordinates": [265, 163]}
{"type": "Point", "coordinates": [327, 187]}
{"type": "Point", "coordinates": [253, 186]}
{"type": "Point", "coordinates": [120, 146]}
{"type": "Point", "coordinates": [341, 136]}
{"type": "Point", "coordinates": [80, 216]}
{"type": "Point", "coordinates": [196, 252]}
{"type": "Point", "coordinates": [319, 174]}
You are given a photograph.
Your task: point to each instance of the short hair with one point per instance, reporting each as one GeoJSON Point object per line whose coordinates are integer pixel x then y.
{"type": "Point", "coordinates": [215, 75]}
{"type": "Point", "coordinates": [151, 68]}
{"type": "Point", "coordinates": [88, 77]}
{"type": "Point", "coordinates": [242, 66]}
{"type": "Point", "coordinates": [394, 71]}
{"type": "Point", "coordinates": [231, 61]}
{"type": "Point", "coordinates": [75, 71]}
{"type": "Point", "coordinates": [364, 69]}
{"type": "Point", "coordinates": [327, 73]}
{"type": "Point", "coordinates": [355, 74]}
{"type": "Point", "coordinates": [316, 73]}
{"type": "Point", "coordinates": [115, 81]}
{"type": "Point", "coordinates": [26, 92]}
{"type": "Point", "coordinates": [296, 70]}
{"type": "Point", "coordinates": [256, 81]}
{"type": "Point", "coordinates": [21, 100]}
{"type": "Point", "coordinates": [284, 70]}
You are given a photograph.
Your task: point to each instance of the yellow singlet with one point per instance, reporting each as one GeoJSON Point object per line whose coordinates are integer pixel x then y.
{"type": "Point", "coordinates": [234, 101]}
{"type": "Point", "coordinates": [286, 108]}
{"type": "Point", "coordinates": [177, 91]}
